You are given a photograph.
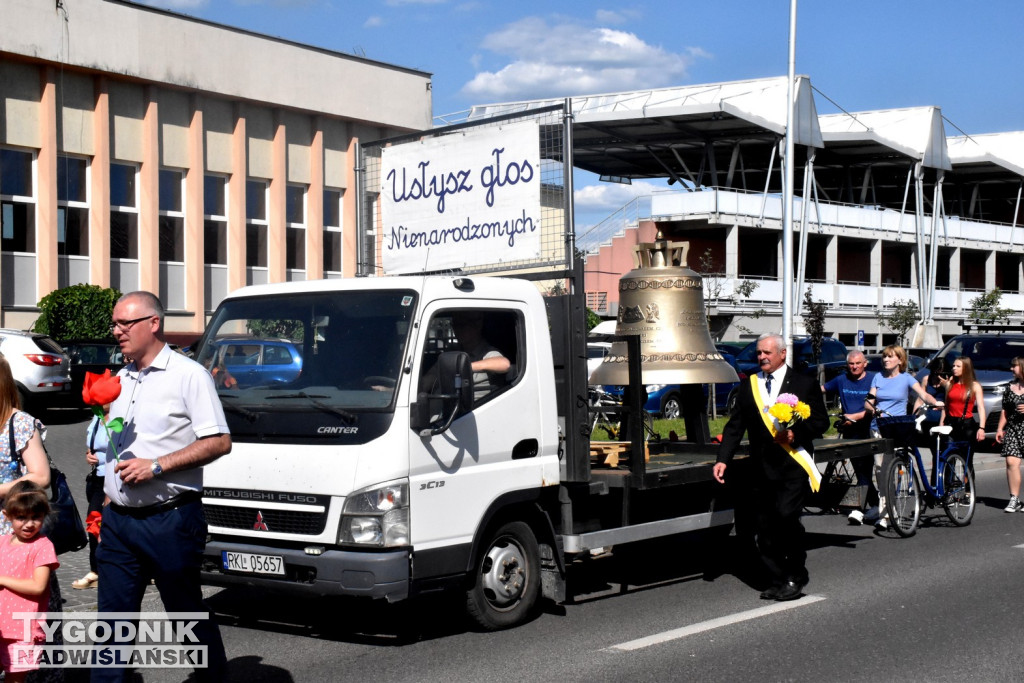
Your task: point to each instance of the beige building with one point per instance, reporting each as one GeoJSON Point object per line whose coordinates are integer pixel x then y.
{"type": "Point", "coordinates": [142, 149]}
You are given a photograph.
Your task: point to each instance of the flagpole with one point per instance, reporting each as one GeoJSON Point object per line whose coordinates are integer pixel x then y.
{"type": "Point", "coordinates": [787, 194]}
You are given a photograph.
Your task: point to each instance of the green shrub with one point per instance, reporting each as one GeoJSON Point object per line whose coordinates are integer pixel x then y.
{"type": "Point", "coordinates": [77, 312]}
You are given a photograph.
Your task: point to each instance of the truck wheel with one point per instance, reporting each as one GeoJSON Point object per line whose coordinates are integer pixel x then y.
{"type": "Point", "coordinates": [507, 578]}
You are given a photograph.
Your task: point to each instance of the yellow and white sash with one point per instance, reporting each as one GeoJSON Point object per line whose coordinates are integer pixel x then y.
{"type": "Point", "coordinates": [803, 458]}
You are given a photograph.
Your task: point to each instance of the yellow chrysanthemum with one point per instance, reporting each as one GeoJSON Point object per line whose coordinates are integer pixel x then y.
{"type": "Point", "coordinates": [781, 412]}
{"type": "Point", "coordinates": [802, 410]}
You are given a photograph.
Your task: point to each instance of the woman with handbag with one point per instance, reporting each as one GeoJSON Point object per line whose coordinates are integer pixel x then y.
{"type": "Point", "coordinates": [963, 405]}
{"type": "Point", "coordinates": [96, 456]}
{"type": "Point", "coordinates": [21, 449]}
{"type": "Point", "coordinates": [1011, 432]}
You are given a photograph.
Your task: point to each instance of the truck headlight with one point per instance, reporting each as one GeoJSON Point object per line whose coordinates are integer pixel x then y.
{"type": "Point", "coordinates": [376, 517]}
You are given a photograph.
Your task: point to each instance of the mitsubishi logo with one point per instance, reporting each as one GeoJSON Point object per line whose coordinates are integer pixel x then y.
{"type": "Point", "coordinates": [260, 525]}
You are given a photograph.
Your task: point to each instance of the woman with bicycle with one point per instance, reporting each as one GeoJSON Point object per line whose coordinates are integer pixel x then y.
{"type": "Point", "coordinates": [890, 394]}
{"type": "Point", "coordinates": [1010, 432]}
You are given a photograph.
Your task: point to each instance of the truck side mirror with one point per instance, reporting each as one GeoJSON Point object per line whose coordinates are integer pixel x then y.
{"type": "Point", "coordinates": [452, 395]}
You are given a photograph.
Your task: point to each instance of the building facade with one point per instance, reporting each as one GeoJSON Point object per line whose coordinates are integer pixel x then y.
{"type": "Point", "coordinates": [141, 149]}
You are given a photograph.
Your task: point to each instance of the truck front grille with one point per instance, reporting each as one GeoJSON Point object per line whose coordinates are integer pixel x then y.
{"type": "Point", "coordinates": [276, 521]}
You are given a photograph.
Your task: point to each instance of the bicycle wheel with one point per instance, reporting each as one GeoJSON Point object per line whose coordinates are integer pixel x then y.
{"type": "Point", "coordinates": [958, 498]}
{"type": "Point", "coordinates": [902, 495]}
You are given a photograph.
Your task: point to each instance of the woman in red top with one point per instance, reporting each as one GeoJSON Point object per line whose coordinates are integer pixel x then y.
{"type": "Point", "coordinates": [960, 389]}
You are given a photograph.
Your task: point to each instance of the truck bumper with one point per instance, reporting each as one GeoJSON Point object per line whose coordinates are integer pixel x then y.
{"type": "Point", "coordinates": [381, 574]}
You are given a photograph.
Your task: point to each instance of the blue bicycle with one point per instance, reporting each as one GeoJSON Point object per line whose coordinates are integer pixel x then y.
{"type": "Point", "coordinates": [907, 488]}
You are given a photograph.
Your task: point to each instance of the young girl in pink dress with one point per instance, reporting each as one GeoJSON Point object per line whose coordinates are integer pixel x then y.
{"type": "Point", "coordinates": [26, 560]}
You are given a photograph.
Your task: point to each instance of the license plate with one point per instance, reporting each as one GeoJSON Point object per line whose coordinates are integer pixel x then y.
{"type": "Point", "coordinates": [251, 563]}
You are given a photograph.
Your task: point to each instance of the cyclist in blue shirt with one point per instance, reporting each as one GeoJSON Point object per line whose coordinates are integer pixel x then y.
{"type": "Point", "coordinates": [852, 388]}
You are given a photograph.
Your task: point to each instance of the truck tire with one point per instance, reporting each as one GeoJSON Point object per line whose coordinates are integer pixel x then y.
{"type": "Point", "coordinates": [506, 580]}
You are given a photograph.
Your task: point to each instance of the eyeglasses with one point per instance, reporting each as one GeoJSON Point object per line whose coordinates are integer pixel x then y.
{"type": "Point", "coordinates": [125, 325]}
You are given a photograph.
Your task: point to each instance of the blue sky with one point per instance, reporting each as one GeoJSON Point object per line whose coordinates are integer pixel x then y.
{"type": "Point", "coordinates": [869, 54]}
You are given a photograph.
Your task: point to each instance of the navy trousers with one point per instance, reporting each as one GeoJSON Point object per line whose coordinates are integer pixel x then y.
{"type": "Point", "coordinates": [167, 547]}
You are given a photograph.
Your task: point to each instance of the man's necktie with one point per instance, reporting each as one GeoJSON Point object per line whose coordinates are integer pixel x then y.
{"type": "Point", "coordinates": [768, 383]}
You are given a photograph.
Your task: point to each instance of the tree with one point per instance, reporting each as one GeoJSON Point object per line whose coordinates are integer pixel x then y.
{"type": "Point", "coordinates": [905, 314]}
{"type": "Point", "coordinates": [714, 284]}
{"type": "Point", "coordinates": [814, 321]}
{"type": "Point", "coordinates": [77, 312]}
{"type": "Point", "coordinates": [985, 308]}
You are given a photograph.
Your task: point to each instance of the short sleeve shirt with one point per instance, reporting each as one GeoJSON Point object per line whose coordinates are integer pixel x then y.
{"type": "Point", "coordinates": [851, 392]}
{"type": "Point", "coordinates": [893, 392]}
{"type": "Point", "coordinates": [165, 407]}
{"type": "Point", "coordinates": [20, 561]}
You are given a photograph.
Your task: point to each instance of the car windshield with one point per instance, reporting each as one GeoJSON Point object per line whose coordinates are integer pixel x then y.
{"type": "Point", "coordinates": [327, 353]}
{"type": "Point", "coordinates": [986, 352]}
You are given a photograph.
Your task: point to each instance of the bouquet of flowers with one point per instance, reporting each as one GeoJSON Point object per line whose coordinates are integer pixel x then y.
{"type": "Point", "coordinates": [788, 410]}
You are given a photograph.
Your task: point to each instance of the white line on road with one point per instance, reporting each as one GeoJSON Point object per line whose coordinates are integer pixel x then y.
{"type": "Point", "coordinates": [685, 631]}
{"type": "Point", "coordinates": [1019, 546]}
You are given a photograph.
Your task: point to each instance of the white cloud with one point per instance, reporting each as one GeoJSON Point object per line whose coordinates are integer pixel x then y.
{"type": "Point", "coordinates": [608, 197]}
{"type": "Point", "coordinates": [373, 22]}
{"type": "Point", "coordinates": [569, 58]}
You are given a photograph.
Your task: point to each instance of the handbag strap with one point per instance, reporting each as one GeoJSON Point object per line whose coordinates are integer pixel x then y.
{"type": "Point", "coordinates": [15, 455]}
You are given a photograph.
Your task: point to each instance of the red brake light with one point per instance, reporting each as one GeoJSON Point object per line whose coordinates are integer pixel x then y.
{"type": "Point", "coordinates": [44, 359]}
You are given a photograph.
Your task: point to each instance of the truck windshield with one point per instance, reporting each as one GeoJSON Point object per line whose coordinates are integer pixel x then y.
{"type": "Point", "coordinates": [331, 354]}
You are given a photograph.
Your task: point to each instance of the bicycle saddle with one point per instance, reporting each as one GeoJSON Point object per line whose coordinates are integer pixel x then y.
{"type": "Point", "coordinates": [941, 429]}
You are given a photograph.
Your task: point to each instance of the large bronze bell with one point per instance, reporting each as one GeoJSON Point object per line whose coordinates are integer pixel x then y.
{"type": "Point", "coordinates": [663, 301]}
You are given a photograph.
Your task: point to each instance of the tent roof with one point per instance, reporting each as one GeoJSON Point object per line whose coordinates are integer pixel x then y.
{"type": "Point", "coordinates": [917, 133]}
{"type": "Point", "coordinates": [668, 131]}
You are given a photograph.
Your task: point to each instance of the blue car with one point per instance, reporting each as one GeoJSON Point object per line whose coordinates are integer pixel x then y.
{"type": "Point", "coordinates": [665, 399]}
{"type": "Point", "coordinates": [253, 362]}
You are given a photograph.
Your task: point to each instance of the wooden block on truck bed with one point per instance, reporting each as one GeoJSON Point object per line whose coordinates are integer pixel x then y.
{"type": "Point", "coordinates": [609, 453]}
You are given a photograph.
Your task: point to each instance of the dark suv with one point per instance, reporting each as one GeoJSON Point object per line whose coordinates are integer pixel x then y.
{"type": "Point", "coordinates": [833, 357]}
{"type": "Point", "coordinates": [990, 353]}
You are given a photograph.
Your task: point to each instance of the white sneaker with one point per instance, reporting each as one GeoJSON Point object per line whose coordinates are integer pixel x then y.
{"type": "Point", "coordinates": [856, 517]}
{"type": "Point", "coordinates": [1014, 505]}
{"type": "Point", "coordinates": [882, 524]}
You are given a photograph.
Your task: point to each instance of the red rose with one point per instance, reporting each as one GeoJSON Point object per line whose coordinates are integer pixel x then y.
{"type": "Point", "coordinates": [100, 390]}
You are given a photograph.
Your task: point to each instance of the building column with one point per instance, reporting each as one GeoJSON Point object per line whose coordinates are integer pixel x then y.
{"type": "Point", "coordinates": [732, 252]}
{"type": "Point", "coordinates": [237, 211]}
{"type": "Point", "coordinates": [349, 209]}
{"type": "Point", "coordinates": [149, 197]}
{"type": "Point", "coordinates": [990, 271]}
{"type": "Point", "coordinates": [99, 181]}
{"type": "Point", "coordinates": [954, 270]}
{"type": "Point", "coordinates": [315, 205]}
{"type": "Point", "coordinates": [277, 210]}
{"type": "Point", "coordinates": [195, 272]}
{"type": "Point", "coordinates": [46, 191]}
{"type": "Point", "coordinates": [875, 268]}
{"type": "Point", "coordinates": [832, 260]}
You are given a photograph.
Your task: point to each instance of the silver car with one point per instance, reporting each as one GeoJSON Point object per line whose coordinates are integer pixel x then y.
{"type": "Point", "coordinates": [41, 368]}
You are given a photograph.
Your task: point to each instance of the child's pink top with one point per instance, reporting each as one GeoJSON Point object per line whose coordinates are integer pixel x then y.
{"type": "Point", "coordinates": [20, 561]}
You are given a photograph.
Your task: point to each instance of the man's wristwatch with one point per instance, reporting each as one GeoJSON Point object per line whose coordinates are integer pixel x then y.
{"type": "Point", "coordinates": [156, 469]}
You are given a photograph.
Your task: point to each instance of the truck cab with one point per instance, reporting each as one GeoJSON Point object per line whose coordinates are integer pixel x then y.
{"type": "Point", "coordinates": [361, 475]}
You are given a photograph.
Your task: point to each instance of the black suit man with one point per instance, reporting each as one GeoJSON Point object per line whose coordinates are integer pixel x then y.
{"type": "Point", "coordinates": [780, 483]}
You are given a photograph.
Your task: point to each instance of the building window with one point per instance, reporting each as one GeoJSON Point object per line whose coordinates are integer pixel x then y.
{"type": "Point", "coordinates": [124, 212]}
{"type": "Point", "coordinates": [295, 244]}
{"type": "Point", "coordinates": [332, 230]}
{"type": "Point", "coordinates": [17, 201]}
{"type": "Point", "coordinates": [256, 223]}
{"type": "Point", "coordinates": [215, 220]}
{"type": "Point", "coordinates": [72, 206]}
{"type": "Point", "coordinates": [172, 216]}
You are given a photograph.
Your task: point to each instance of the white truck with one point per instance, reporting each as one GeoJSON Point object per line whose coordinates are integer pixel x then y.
{"type": "Point", "coordinates": [368, 460]}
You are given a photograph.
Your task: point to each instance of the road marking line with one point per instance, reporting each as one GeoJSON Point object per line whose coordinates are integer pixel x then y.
{"type": "Point", "coordinates": [1019, 546]}
{"type": "Point", "coordinates": [692, 629]}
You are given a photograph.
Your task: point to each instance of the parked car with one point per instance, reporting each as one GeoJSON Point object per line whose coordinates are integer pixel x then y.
{"type": "Point", "coordinates": [914, 363]}
{"type": "Point", "coordinates": [832, 356]}
{"type": "Point", "coordinates": [664, 400]}
{"type": "Point", "coordinates": [732, 348]}
{"type": "Point", "coordinates": [596, 352]}
{"type": "Point", "coordinates": [90, 356]}
{"type": "Point", "coordinates": [254, 362]}
{"type": "Point", "coordinates": [40, 368]}
{"type": "Point", "coordinates": [990, 353]}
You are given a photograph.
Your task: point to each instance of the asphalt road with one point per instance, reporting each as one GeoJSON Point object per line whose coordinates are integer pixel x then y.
{"type": "Point", "coordinates": [941, 606]}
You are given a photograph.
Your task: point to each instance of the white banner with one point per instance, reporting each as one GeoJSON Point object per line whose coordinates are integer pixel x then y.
{"type": "Point", "coordinates": [460, 200]}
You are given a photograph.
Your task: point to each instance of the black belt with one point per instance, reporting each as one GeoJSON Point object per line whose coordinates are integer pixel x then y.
{"type": "Point", "coordinates": [145, 511]}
